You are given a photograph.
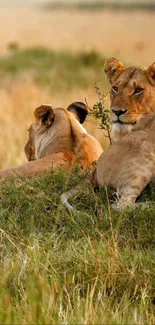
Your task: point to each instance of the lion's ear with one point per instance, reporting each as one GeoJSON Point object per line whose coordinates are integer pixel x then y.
{"type": "Point", "coordinates": [45, 114]}
{"type": "Point", "coordinates": [112, 67]}
{"type": "Point", "coordinates": [80, 111]}
{"type": "Point", "coordinates": [150, 71]}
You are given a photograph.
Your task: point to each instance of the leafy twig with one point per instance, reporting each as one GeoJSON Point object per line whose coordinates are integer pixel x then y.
{"type": "Point", "coordinates": [100, 112]}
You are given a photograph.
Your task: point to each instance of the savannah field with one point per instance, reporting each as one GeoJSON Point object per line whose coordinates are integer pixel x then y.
{"type": "Point", "coordinates": [125, 35]}
{"type": "Point", "coordinates": [96, 267]}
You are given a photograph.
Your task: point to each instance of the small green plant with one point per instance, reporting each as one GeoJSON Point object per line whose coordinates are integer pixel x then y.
{"type": "Point", "coordinates": [100, 112]}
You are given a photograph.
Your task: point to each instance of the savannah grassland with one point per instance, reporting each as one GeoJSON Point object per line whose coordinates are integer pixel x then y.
{"type": "Point", "coordinates": [96, 267]}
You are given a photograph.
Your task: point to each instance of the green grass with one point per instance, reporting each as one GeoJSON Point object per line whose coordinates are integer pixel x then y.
{"type": "Point", "coordinates": [58, 70]}
{"type": "Point", "coordinates": [96, 267]}
{"type": "Point", "coordinates": [101, 5]}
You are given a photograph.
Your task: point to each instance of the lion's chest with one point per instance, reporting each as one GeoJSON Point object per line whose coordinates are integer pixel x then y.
{"type": "Point", "coordinates": [119, 130]}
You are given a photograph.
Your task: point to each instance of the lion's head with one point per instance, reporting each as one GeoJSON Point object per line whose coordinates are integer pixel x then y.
{"type": "Point", "coordinates": [51, 131]}
{"type": "Point", "coordinates": [132, 95]}
{"type": "Point", "coordinates": [57, 139]}
{"type": "Point", "coordinates": [60, 130]}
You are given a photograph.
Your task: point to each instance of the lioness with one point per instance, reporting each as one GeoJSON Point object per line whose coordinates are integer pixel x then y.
{"type": "Point", "coordinates": [57, 138]}
{"type": "Point", "coordinates": [128, 165]}
{"type": "Point", "coordinates": [132, 95]}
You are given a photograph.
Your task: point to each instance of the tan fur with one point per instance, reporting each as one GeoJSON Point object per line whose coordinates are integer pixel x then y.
{"type": "Point", "coordinates": [57, 139]}
{"type": "Point", "coordinates": [128, 165]}
{"type": "Point", "coordinates": [126, 97]}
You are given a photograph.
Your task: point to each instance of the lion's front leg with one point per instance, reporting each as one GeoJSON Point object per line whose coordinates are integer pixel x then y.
{"type": "Point", "coordinates": [131, 188]}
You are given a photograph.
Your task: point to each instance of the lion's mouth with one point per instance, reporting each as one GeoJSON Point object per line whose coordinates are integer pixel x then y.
{"type": "Point", "coordinates": [123, 122]}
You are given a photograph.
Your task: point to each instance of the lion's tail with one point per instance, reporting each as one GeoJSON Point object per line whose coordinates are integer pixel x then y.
{"type": "Point", "coordinates": [65, 196]}
{"type": "Point", "coordinates": [90, 181]}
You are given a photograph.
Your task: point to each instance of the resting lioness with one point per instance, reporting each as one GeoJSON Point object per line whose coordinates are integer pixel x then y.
{"type": "Point", "coordinates": [128, 165]}
{"type": "Point", "coordinates": [57, 139]}
{"type": "Point", "coordinates": [132, 95]}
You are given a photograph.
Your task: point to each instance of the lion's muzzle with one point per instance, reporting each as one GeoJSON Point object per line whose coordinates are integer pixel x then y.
{"type": "Point", "coordinates": [119, 112]}
{"type": "Point", "coordinates": [122, 116]}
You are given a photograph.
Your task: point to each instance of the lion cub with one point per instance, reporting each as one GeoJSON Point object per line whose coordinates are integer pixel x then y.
{"type": "Point", "coordinates": [128, 165]}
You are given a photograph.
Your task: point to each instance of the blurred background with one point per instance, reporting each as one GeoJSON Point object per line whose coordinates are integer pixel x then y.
{"type": "Point", "coordinates": [54, 52]}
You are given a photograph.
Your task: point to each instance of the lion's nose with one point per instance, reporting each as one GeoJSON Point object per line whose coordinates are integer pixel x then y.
{"type": "Point", "coordinates": [119, 112]}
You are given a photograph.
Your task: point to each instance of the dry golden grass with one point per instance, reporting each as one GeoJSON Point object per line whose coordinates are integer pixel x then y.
{"type": "Point", "coordinates": [128, 35]}
{"type": "Point", "coordinates": [17, 104]}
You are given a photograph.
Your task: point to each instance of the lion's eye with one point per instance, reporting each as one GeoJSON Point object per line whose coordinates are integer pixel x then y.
{"type": "Point", "coordinates": [115, 89]}
{"type": "Point", "coordinates": [138, 90]}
